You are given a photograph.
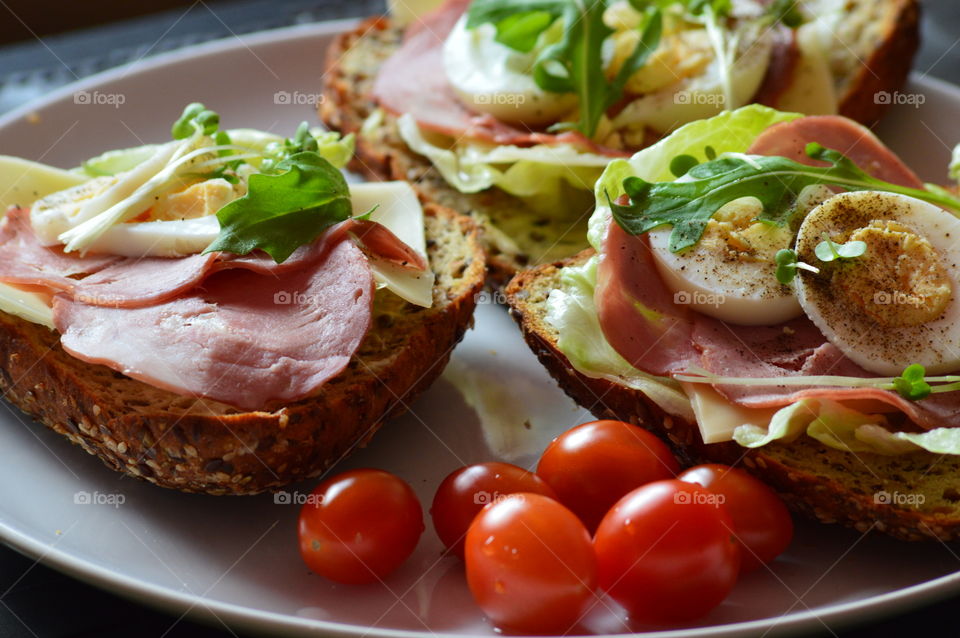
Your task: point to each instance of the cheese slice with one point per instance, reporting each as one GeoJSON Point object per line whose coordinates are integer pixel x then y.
{"type": "Point", "coordinates": [32, 306]}
{"type": "Point", "coordinates": [812, 90]}
{"type": "Point", "coordinates": [717, 417]}
{"type": "Point", "coordinates": [23, 182]}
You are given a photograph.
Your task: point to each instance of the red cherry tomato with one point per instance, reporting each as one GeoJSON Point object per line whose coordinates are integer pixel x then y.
{"type": "Point", "coordinates": [761, 520]}
{"type": "Point", "coordinates": [466, 491]}
{"type": "Point", "coordinates": [666, 552]}
{"type": "Point", "coordinates": [593, 465]}
{"type": "Point", "coordinates": [530, 564]}
{"type": "Point", "coordinates": [359, 526]}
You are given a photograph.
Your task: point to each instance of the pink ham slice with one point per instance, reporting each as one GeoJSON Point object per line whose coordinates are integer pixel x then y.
{"type": "Point", "coordinates": [684, 340]}
{"type": "Point", "coordinates": [119, 282]}
{"type": "Point", "coordinates": [794, 349]}
{"type": "Point", "coordinates": [23, 260]}
{"type": "Point", "coordinates": [790, 139]}
{"type": "Point", "coordinates": [242, 338]}
{"type": "Point", "coordinates": [627, 277]}
{"type": "Point", "coordinates": [412, 81]}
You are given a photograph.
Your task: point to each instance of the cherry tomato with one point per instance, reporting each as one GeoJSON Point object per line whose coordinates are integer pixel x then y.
{"type": "Point", "coordinates": [593, 465]}
{"type": "Point", "coordinates": [359, 526]}
{"type": "Point", "coordinates": [761, 520]}
{"type": "Point", "coordinates": [666, 552]}
{"type": "Point", "coordinates": [466, 491]}
{"type": "Point", "coordinates": [530, 564]}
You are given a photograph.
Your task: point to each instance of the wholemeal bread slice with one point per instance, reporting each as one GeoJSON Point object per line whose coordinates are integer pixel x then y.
{"type": "Point", "coordinates": [911, 497]}
{"type": "Point", "coordinates": [876, 42]}
{"type": "Point", "coordinates": [204, 446]}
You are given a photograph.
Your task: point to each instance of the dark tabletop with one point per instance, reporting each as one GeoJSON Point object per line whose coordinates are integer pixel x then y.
{"type": "Point", "coordinates": [36, 602]}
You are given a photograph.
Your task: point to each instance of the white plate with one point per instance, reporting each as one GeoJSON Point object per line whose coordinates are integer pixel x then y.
{"type": "Point", "coordinates": [235, 559]}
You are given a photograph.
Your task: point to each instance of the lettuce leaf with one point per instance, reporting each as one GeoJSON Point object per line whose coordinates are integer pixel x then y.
{"type": "Point", "coordinates": [546, 178]}
{"type": "Point", "coordinates": [842, 428]}
{"type": "Point", "coordinates": [786, 425]}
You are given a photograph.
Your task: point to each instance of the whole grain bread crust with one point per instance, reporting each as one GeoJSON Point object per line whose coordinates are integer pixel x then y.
{"type": "Point", "coordinates": [875, 58]}
{"type": "Point", "coordinates": [856, 490]}
{"type": "Point", "coordinates": [202, 446]}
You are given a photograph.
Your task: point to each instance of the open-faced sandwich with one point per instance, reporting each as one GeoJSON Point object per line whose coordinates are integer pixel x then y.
{"type": "Point", "coordinates": [779, 292]}
{"type": "Point", "coordinates": [222, 313]}
{"type": "Point", "coordinates": [509, 110]}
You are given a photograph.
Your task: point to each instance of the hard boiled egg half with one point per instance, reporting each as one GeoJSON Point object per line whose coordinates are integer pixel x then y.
{"type": "Point", "coordinates": [896, 304]}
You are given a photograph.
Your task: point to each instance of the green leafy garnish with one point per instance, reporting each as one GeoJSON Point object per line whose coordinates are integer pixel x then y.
{"type": "Point", "coordinates": [787, 265]}
{"type": "Point", "coordinates": [575, 63]}
{"type": "Point", "coordinates": [828, 250]}
{"type": "Point", "coordinates": [774, 181]}
{"type": "Point", "coordinates": [195, 117]}
{"type": "Point", "coordinates": [912, 384]}
{"type": "Point", "coordinates": [304, 195]}
{"type": "Point", "coordinates": [786, 12]}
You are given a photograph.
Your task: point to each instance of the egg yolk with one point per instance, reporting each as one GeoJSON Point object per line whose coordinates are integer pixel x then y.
{"type": "Point", "coordinates": [735, 233]}
{"type": "Point", "coordinates": [680, 55]}
{"type": "Point", "coordinates": [900, 281]}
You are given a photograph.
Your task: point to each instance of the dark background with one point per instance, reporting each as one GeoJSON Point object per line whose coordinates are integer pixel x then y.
{"type": "Point", "coordinates": [47, 44]}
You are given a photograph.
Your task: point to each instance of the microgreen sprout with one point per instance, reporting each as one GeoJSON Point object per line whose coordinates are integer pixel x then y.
{"type": "Point", "coordinates": [912, 384]}
{"type": "Point", "coordinates": [196, 117]}
{"type": "Point", "coordinates": [787, 265]}
{"type": "Point", "coordinates": [829, 250]}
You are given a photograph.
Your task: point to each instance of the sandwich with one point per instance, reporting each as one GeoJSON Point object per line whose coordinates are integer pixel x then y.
{"type": "Point", "coordinates": [776, 292]}
{"type": "Point", "coordinates": [509, 111]}
{"type": "Point", "coordinates": [221, 313]}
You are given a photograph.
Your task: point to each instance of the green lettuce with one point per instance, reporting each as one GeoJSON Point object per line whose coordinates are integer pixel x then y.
{"type": "Point", "coordinates": [546, 178]}
{"type": "Point", "coordinates": [842, 428]}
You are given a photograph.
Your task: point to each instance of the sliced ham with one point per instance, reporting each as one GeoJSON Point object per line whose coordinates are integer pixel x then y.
{"type": "Point", "coordinates": [790, 139]}
{"type": "Point", "coordinates": [412, 81]}
{"type": "Point", "coordinates": [657, 338]}
{"type": "Point", "coordinates": [25, 261]}
{"type": "Point", "coordinates": [784, 57]}
{"type": "Point", "coordinates": [126, 282]}
{"type": "Point", "coordinates": [797, 348]}
{"type": "Point", "coordinates": [243, 338]}
{"type": "Point", "coordinates": [641, 322]}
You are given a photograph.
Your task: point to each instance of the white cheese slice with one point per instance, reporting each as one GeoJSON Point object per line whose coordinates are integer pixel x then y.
{"type": "Point", "coordinates": [22, 182]}
{"type": "Point", "coordinates": [32, 306]}
{"type": "Point", "coordinates": [811, 91]}
{"type": "Point", "coordinates": [717, 417]}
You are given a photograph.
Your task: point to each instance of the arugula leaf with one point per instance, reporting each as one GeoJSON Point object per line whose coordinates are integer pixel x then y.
{"type": "Point", "coordinates": [285, 210]}
{"type": "Point", "coordinates": [787, 12]}
{"type": "Point", "coordinates": [575, 63]}
{"type": "Point", "coordinates": [828, 250]}
{"type": "Point", "coordinates": [774, 181]}
{"type": "Point", "coordinates": [912, 383]}
{"type": "Point", "coordinates": [522, 30]}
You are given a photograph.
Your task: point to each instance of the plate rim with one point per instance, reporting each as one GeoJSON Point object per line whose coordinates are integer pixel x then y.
{"type": "Point", "coordinates": [213, 611]}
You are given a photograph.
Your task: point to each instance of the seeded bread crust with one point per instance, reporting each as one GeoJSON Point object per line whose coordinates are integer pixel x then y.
{"type": "Point", "coordinates": [208, 447]}
{"type": "Point", "coordinates": [820, 482]}
{"type": "Point", "coordinates": [880, 36]}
